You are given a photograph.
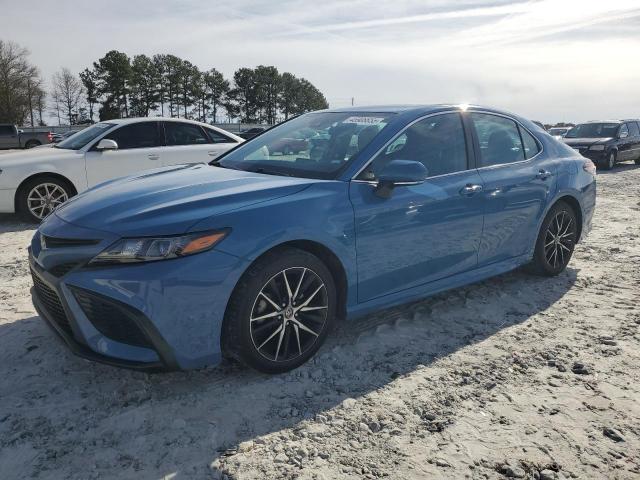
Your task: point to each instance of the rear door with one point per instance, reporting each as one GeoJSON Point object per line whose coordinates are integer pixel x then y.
{"type": "Point", "coordinates": [518, 184]}
{"type": "Point", "coordinates": [186, 143]}
{"type": "Point", "coordinates": [139, 148]}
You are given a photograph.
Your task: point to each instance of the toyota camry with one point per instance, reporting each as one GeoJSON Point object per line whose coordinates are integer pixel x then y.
{"type": "Point", "coordinates": [257, 255]}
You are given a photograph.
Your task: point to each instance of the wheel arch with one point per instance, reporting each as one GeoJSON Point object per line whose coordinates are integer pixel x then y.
{"type": "Point", "coordinates": [575, 206]}
{"type": "Point", "coordinates": [327, 256]}
{"type": "Point", "coordinates": [20, 189]}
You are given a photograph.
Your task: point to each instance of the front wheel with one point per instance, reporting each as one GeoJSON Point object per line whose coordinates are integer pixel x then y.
{"type": "Point", "coordinates": [556, 240]}
{"type": "Point", "coordinates": [41, 196]}
{"type": "Point", "coordinates": [610, 162]}
{"type": "Point", "coordinates": [281, 311]}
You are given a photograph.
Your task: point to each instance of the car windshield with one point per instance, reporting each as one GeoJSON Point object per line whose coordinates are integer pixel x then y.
{"type": "Point", "coordinates": [593, 130]}
{"type": "Point", "coordinates": [315, 145]}
{"type": "Point", "coordinates": [557, 131]}
{"type": "Point", "coordinates": [80, 139]}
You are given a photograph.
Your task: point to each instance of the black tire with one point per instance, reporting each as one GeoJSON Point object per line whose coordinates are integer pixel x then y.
{"type": "Point", "coordinates": [637, 161]}
{"type": "Point", "coordinates": [610, 161]}
{"type": "Point", "coordinates": [23, 202]}
{"type": "Point", "coordinates": [240, 334]}
{"type": "Point", "coordinates": [561, 222]}
{"type": "Point", "coordinates": [32, 143]}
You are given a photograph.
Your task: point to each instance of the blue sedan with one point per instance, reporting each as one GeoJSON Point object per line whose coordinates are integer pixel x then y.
{"type": "Point", "coordinates": [258, 254]}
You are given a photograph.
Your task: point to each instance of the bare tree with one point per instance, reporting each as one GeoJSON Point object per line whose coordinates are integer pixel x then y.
{"type": "Point", "coordinates": [17, 80]}
{"type": "Point", "coordinates": [67, 93]}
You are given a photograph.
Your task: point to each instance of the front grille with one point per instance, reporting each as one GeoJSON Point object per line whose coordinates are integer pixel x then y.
{"type": "Point", "coordinates": [113, 319]}
{"type": "Point", "coordinates": [62, 269]}
{"type": "Point", "coordinates": [55, 242]}
{"type": "Point", "coordinates": [51, 303]}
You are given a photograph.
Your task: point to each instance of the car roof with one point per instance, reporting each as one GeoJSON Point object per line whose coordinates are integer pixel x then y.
{"type": "Point", "coordinates": [127, 121]}
{"type": "Point", "coordinates": [419, 110]}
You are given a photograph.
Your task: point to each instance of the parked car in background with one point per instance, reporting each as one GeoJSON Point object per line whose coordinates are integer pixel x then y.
{"type": "Point", "coordinates": [606, 142]}
{"type": "Point", "coordinates": [558, 131]}
{"type": "Point", "coordinates": [252, 132]}
{"type": "Point", "coordinates": [34, 183]}
{"type": "Point", "coordinates": [12, 137]}
{"type": "Point", "coordinates": [58, 137]}
{"type": "Point", "coordinates": [256, 256]}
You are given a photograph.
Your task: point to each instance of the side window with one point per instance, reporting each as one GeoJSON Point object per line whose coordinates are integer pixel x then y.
{"type": "Point", "coordinates": [217, 137]}
{"type": "Point", "coordinates": [438, 142]}
{"type": "Point", "coordinates": [531, 147]}
{"type": "Point", "coordinates": [623, 131]}
{"type": "Point", "coordinates": [136, 135]}
{"type": "Point", "coordinates": [499, 139]}
{"type": "Point", "coordinates": [179, 133]}
{"type": "Point", "coordinates": [7, 130]}
{"type": "Point", "coordinates": [633, 129]}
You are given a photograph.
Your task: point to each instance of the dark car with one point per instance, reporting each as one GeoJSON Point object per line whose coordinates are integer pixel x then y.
{"type": "Point", "coordinates": [252, 132]}
{"type": "Point", "coordinates": [606, 142]}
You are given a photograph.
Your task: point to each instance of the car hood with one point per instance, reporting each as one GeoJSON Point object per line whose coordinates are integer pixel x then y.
{"type": "Point", "coordinates": [35, 155]}
{"type": "Point", "coordinates": [170, 200]}
{"type": "Point", "coordinates": [585, 141]}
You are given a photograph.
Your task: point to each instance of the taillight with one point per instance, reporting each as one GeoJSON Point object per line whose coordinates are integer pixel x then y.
{"type": "Point", "coordinates": [50, 136]}
{"type": "Point", "coordinates": [589, 167]}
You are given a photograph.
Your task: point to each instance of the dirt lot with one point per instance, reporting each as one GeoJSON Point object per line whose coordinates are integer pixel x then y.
{"type": "Point", "coordinates": [517, 376]}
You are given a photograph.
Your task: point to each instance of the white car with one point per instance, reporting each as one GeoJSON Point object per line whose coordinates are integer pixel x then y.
{"type": "Point", "coordinates": [37, 181]}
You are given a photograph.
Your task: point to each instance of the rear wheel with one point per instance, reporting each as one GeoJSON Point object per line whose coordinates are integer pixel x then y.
{"type": "Point", "coordinates": [32, 143]}
{"type": "Point", "coordinates": [41, 196]}
{"type": "Point", "coordinates": [280, 312]}
{"type": "Point", "coordinates": [556, 240]}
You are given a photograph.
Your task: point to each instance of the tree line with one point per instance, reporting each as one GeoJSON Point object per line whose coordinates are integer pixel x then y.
{"type": "Point", "coordinates": [117, 86]}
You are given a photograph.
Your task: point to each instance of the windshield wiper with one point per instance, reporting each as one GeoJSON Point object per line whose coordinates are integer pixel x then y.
{"type": "Point", "coordinates": [268, 172]}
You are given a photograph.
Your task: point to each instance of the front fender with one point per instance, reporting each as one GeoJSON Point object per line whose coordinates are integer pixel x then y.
{"type": "Point", "coordinates": [321, 213]}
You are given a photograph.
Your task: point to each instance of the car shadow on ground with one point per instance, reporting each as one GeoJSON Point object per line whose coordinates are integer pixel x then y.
{"type": "Point", "coordinates": [73, 414]}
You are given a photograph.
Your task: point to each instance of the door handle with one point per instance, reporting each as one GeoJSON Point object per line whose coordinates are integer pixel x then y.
{"type": "Point", "coordinates": [154, 156]}
{"type": "Point", "coordinates": [470, 189]}
{"type": "Point", "coordinates": [543, 174]}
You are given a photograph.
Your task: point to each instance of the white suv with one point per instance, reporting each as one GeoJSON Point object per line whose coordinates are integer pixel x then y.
{"type": "Point", "coordinates": [36, 182]}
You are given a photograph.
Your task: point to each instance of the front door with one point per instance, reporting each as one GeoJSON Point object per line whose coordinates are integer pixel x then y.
{"type": "Point", "coordinates": [518, 184]}
{"type": "Point", "coordinates": [423, 232]}
{"type": "Point", "coordinates": [139, 149]}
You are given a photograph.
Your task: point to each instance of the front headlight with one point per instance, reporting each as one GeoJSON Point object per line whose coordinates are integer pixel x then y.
{"type": "Point", "coordinates": [596, 147]}
{"type": "Point", "coordinates": [150, 249]}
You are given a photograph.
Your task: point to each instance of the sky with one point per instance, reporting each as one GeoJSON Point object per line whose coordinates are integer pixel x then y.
{"type": "Point", "coordinates": [550, 60]}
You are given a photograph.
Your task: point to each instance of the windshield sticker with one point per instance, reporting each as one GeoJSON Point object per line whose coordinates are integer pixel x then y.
{"type": "Point", "coordinates": [364, 120]}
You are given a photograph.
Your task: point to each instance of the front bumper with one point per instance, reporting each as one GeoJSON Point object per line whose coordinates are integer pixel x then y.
{"type": "Point", "coordinates": [174, 308]}
{"type": "Point", "coordinates": [7, 200]}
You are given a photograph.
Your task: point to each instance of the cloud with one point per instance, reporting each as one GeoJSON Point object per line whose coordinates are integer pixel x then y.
{"type": "Point", "coordinates": [546, 59]}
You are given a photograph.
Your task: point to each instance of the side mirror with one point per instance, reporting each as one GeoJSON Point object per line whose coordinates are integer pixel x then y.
{"type": "Point", "coordinates": [623, 134]}
{"type": "Point", "coordinates": [400, 173]}
{"type": "Point", "coordinates": [107, 144]}
{"type": "Point", "coordinates": [20, 131]}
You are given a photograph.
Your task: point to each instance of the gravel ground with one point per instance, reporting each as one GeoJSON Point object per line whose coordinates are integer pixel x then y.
{"type": "Point", "coordinates": [518, 376]}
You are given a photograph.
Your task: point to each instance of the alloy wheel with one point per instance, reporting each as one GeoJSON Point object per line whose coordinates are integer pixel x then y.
{"type": "Point", "coordinates": [45, 198]}
{"type": "Point", "coordinates": [559, 240]}
{"type": "Point", "coordinates": [289, 314]}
